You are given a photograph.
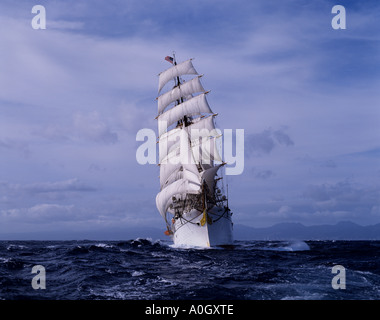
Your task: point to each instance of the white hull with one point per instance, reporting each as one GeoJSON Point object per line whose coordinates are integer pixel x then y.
{"type": "Point", "coordinates": [189, 231]}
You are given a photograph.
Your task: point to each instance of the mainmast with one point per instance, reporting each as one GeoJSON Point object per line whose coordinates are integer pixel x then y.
{"type": "Point", "coordinates": [180, 100]}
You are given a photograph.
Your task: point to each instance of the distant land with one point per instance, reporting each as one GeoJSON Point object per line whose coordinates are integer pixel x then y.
{"type": "Point", "coordinates": [344, 230]}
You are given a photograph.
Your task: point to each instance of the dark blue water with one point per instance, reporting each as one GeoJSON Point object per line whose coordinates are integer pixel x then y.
{"type": "Point", "coordinates": [146, 269]}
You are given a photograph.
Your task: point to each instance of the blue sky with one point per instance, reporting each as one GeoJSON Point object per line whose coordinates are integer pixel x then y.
{"type": "Point", "coordinates": [73, 97]}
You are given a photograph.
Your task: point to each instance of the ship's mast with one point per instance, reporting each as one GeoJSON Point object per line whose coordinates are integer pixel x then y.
{"type": "Point", "coordinates": [185, 120]}
{"type": "Point", "coordinates": [175, 63]}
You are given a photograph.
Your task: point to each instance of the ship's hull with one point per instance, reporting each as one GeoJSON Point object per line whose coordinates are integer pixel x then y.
{"type": "Point", "coordinates": [195, 229]}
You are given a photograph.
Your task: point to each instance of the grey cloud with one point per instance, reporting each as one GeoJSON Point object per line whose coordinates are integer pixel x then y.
{"type": "Point", "coordinates": [90, 127]}
{"type": "Point", "coordinates": [328, 164]}
{"type": "Point", "coordinates": [134, 117]}
{"type": "Point", "coordinates": [264, 174]}
{"type": "Point", "coordinates": [344, 196]}
{"type": "Point", "coordinates": [40, 213]}
{"type": "Point", "coordinates": [338, 191]}
{"type": "Point", "coordinates": [316, 163]}
{"type": "Point", "coordinates": [94, 128]}
{"type": "Point", "coordinates": [265, 141]}
{"type": "Point", "coordinates": [319, 204]}
{"type": "Point", "coordinates": [65, 25]}
{"type": "Point", "coordinates": [72, 185]}
{"type": "Point", "coordinates": [47, 190]}
{"type": "Point", "coordinates": [282, 138]}
{"type": "Point", "coordinates": [15, 145]}
{"type": "Point", "coordinates": [260, 142]}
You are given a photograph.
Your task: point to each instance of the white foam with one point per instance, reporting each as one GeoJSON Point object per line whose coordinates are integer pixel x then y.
{"type": "Point", "coordinates": [137, 273]}
{"type": "Point", "coordinates": [298, 246]}
{"type": "Point", "coordinates": [16, 246]}
{"type": "Point", "coordinates": [185, 246]}
{"type": "Point", "coordinates": [103, 245]}
{"type": "Point", "coordinates": [290, 246]}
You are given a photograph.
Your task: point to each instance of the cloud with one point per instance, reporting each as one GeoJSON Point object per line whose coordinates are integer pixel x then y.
{"type": "Point", "coordinates": [319, 203]}
{"type": "Point", "coordinates": [263, 174]}
{"type": "Point", "coordinates": [328, 164]}
{"type": "Point", "coordinates": [282, 138]}
{"type": "Point", "coordinates": [132, 117]}
{"type": "Point", "coordinates": [65, 25]}
{"type": "Point", "coordinates": [74, 95]}
{"type": "Point", "coordinates": [40, 213]}
{"type": "Point", "coordinates": [84, 127]}
{"type": "Point", "coordinates": [71, 185]}
{"type": "Point", "coordinates": [13, 193]}
{"type": "Point", "coordinates": [343, 193]}
{"type": "Point", "coordinates": [265, 141]}
{"type": "Point", "coordinates": [21, 147]}
{"type": "Point", "coordinates": [92, 127]}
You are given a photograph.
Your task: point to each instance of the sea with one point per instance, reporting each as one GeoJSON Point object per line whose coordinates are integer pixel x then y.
{"type": "Point", "coordinates": [147, 269]}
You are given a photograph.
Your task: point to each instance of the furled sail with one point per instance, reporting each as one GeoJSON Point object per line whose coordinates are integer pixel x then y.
{"type": "Point", "coordinates": [178, 70]}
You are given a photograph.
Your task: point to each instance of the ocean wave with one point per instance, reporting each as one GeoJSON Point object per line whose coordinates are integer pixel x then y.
{"type": "Point", "coordinates": [11, 263]}
{"type": "Point", "coordinates": [16, 247]}
{"type": "Point", "coordinates": [288, 246]}
{"type": "Point", "coordinates": [143, 268]}
{"type": "Point", "coordinates": [103, 245]}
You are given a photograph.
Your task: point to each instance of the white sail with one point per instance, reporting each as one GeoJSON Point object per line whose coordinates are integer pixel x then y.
{"type": "Point", "coordinates": [181, 186]}
{"type": "Point", "coordinates": [202, 149]}
{"type": "Point", "coordinates": [205, 151]}
{"type": "Point", "coordinates": [194, 106]}
{"type": "Point", "coordinates": [192, 177]}
{"type": "Point", "coordinates": [169, 171]}
{"type": "Point", "coordinates": [182, 173]}
{"type": "Point", "coordinates": [171, 140]}
{"type": "Point", "coordinates": [209, 176]}
{"type": "Point", "coordinates": [178, 70]}
{"type": "Point", "coordinates": [181, 159]}
{"type": "Point", "coordinates": [166, 170]}
{"type": "Point", "coordinates": [166, 141]}
{"type": "Point", "coordinates": [173, 163]}
{"type": "Point", "coordinates": [202, 123]}
{"type": "Point", "coordinates": [182, 91]}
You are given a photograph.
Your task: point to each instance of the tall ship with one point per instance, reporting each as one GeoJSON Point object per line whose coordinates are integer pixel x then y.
{"type": "Point", "coordinates": [191, 198]}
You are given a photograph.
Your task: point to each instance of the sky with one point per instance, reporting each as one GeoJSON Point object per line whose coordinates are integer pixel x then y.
{"type": "Point", "coordinates": [74, 95]}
